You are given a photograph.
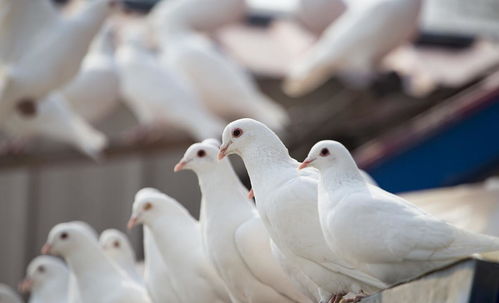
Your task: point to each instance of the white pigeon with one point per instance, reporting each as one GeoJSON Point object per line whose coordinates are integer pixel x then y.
{"type": "Point", "coordinates": [238, 245]}
{"type": "Point", "coordinates": [317, 15]}
{"type": "Point", "coordinates": [55, 120]}
{"type": "Point", "coordinates": [8, 295]}
{"type": "Point", "coordinates": [286, 200]}
{"type": "Point", "coordinates": [355, 43]}
{"type": "Point", "coordinates": [51, 54]}
{"type": "Point", "coordinates": [95, 273]}
{"type": "Point", "coordinates": [46, 280]}
{"type": "Point", "coordinates": [201, 15]}
{"type": "Point", "coordinates": [178, 238]}
{"type": "Point", "coordinates": [117, 247]}
{"type": "Point", "coordinates": [94, 92]}
{"type": "Point", "coordinates": [157, 277]}
{"type": "Point", "coordinates": [158, 97]}
{"type": "Point", "coordinates": [378, 232]}
{"type": "Point", "coordinates": [224, 87]}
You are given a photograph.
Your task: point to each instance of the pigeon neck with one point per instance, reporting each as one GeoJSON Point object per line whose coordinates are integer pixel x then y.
{"type": "Point", "coordinates": [54, 291]}
{"type": "Point", "coordinates": [334, 177]}
{"type": "Point", "coordinates": [89, 261]}
{"type": "Point", "coordinates": [268, 164]}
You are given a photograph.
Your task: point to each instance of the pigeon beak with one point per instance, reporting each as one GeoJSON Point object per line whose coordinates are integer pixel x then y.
{"type": "Point", "coordinates": [180, 166]}
{"type": "Point", "coordinates": [222, 153]}
{"type": "Point", "coordinates": [25, 286]}
{"type": "Point", "coordinates": [132, 222]}
{"type": "Point", "coordinates": [47, 249]}
{"type": "Point", "coordinates": [305, 163]}
{"type": "Point", "coordinates": [251, 194]}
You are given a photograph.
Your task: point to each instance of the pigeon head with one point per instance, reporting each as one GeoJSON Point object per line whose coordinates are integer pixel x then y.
{"type": "Point", "coordinates": [150, 205]}
{"type": "Point", "coordinates": [115, 244]}
{"type": "Point", "coordinates": [328, 153]}
{"type": "Point", "coordinates": [242, 133]}
{"type": "Point", "coordinates": [41, 271]}
{"type": "Point", "coordinates": [66, 238]}
{"type": "Point", "coordinates": [199, 156]}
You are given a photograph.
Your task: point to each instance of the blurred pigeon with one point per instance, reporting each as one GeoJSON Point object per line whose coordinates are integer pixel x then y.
{"type": "Point", "coordinates": [287, 202]}
{"type": "Point", "coordinates": [96, 275]}
{"type": "Point", "coordinates": [355, 43]}
{"type": "Point", "coordinates": [238, 245]}
{"type": "Point", "coordinates": [317, 15]}
{"type": "Point", "coordinates": [7, 295]}
{"type": "Point", "coordinates": [41, 50]}
{"type": "Point", "coordinates": [47, 280]}
{"type": "Point", "coordinates": [117, 247]}
{"type": "Point", "coordinates": [178, 238]}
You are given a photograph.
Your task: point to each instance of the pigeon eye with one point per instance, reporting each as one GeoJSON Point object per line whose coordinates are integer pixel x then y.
{"type": "Point", "coordinates": [41, 269]}
{"type": "Point", "coordinates": [201, 153]}
{"type": "Point", "coordinates": [237, 132]}
{"type": "Point", "coordinates": [148, 206]}
{"type": "Point", "coordinates": [116, 244]}
{"type": "Point", "coordinates": [64, 236]}
{"type": "Point", "coordinates": [324, 152]}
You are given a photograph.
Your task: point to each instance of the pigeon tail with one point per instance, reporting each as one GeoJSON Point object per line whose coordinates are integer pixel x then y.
{"type": "Point", "coordinates": [305, 77]}
{"type": "Point", "coordinates": [87, 139]}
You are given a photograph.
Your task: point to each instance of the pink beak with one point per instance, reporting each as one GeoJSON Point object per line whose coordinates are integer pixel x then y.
{"type": "Point", "coordinates": [47, 249]}
{"type": "Point", "coordinates": [179, 166]}
{"type": "Point", "coordinates": [305, 163]}
{"type": "Point", "coordinates": [251, 194]}
{"type": "Point", "coordinates": [221, 152]}
{"type": "Point", "coordinates": [25, 286]}
{"type": "Point", "coordinates": [132, 222]}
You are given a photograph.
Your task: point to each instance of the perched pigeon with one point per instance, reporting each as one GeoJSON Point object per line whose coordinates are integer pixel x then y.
{"type": "Point", "coordinates": [238, 245]}
{"type": "Point", "coordinates": [178, 238]}
{"type": "Point", "coordinates": [46, 280]}
{"type": "Point", "coordinates": [50, 48]}
{"type": "Point", "coordinates": [117, 247]}
{"type": "Point", "coordinates": [158, 97]}
{"type": "Point", "coordinates": [380, 233]}
{"type": "Point", "coordinates": [355, 43]}
{"type": "Point", "coordinates": [7, 295]}
{"type": "Point", "coordinates": [94, 92]}
{"type": "Point", "coordinates": [224, 87]}
{"type": "Point", "coordinates": [287, 202]}
{"type": "Point", "coordinates": [157, 277]}
{"type": "Point", "coordinates": [95, 274]}
{"type": "Point", "coordinates": [56, 121]}
{"type": "Point", "coordinates": [200, 15]}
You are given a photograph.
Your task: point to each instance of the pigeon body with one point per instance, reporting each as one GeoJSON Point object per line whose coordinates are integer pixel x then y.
{"type": "Point", "coordinates": [52, 52]}
{"type": "Point", "coordinates": [56, 121]}
{"type": "Point", "coordinates": [157, 277]}
{"type": "Point", "coordinates": [94, 92]}
{"type": "Point", "coordinates": [287, 203]}
{"type": "Point", "coordinates": [387, 236]}
{"type": "Point", "coordinates": [117, 247]}
{"type": "Point", "coordinates": [317, 15]}
{"type": "Point", "coordinates": [355, 43]}
{"type": "Point", "coordinates": [238, 245]}
{"type": "Point", "coordinates": [95, 274]}
{"type": "Point", "coordinates": [46, 280]}
{"type": "Point", "coordinates": [178, 238]}
{"type": "Point", "coordinates": [8, 295]}
{"type": "Point", "coordinates": [158, 97]}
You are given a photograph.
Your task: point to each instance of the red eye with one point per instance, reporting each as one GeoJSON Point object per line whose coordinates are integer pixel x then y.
{"type": "Point", "coordinates": [237, 132]}
{"type": "Point", "coordinates": [64, 236]}
{"type": "Point", "coordinates": [324, 152]}
{"type": "Point", "coordinates": [116, 244]}
{"type": "Point", "coordinates": [201, 153]}
{"type": "Point", "coordinates": [148, 206]}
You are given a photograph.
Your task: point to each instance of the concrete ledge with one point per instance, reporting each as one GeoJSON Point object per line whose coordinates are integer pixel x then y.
{"type": "Point", "coordinates": [468, 281]}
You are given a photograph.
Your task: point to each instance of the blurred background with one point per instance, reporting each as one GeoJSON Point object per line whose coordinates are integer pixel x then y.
{"type": "Point", "coordinates": [426, 124]}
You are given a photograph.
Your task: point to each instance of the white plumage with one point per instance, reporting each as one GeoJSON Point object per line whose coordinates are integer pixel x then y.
{"type": "Point", "coordinates": [178, 238]}
{"type": "Point", "coordinates": [95, 274]}
{"type": "Point", "coordinates": [7, 295]}
{"type": "Point", "coordinates": [355, 43]}
{"type": "Point", "coordinates": [237, 244]}
{"type": "Point", "coordinates": [380, 233]}
{"type": "Point", "coordinates": [287, 203]}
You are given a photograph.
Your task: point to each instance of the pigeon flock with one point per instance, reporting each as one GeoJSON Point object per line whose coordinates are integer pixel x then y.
{"type": "Point", "coordinates": [65, 69]}
{"type": "Point", "coordinates": [321, 230]}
